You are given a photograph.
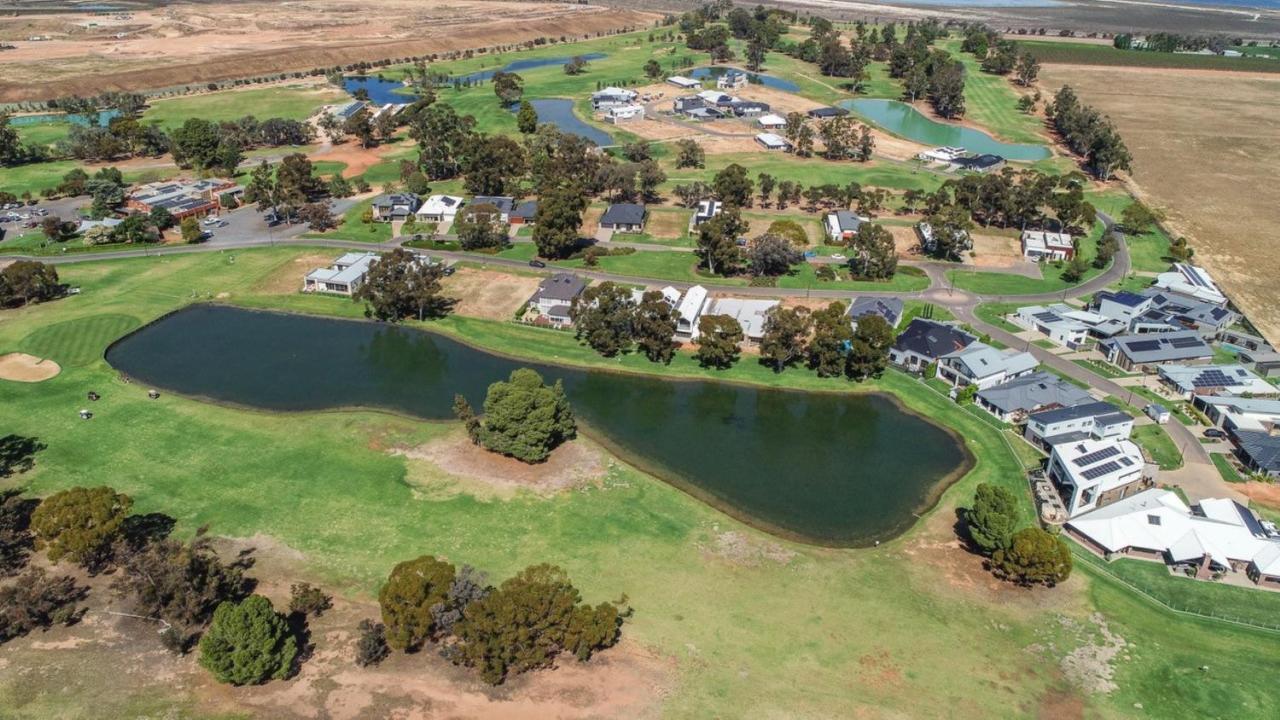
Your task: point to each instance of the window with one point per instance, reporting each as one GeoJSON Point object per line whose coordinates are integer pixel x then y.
{"type": "Point", "coordinates": [1153, 519]}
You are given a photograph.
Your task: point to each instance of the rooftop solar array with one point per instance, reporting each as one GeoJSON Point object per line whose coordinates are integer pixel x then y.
{"type": "Point", "coordinates": [1097, 472]}
{"type": "Point", "coordinates": [1097, 456]}
{"type": "Point", "coordinates": [1185, 342]}
{"type": "Point", "coordinates": [1144, 345]}
{"type": "Point", "coordinates": [1212, 378]}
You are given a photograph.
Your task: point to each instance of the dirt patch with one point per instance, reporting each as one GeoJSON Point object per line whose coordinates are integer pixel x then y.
{"type": "Point", "coordinates": [739, 549]}
{"type": "Point", "coordinates": [197, 43]}
{"type": "Point", "coordinates": [591, 221]}
{"type": "Point", "coordinates": [1264, 493]}
{"type": "Point", "coordinates": [287, 278]}
{"type": "Point", "coordinates": [1203, 145]}
{"type": "Point", "coordinates": [668, 225]}
{"type": "Point", "coordinates": [996, 251]}
{"type": "Point", "coordinates": [357, 159]}
{"type": "Point", "coordinates": [1059, 704]}
{"type": "Point", "coordinates": [488, 294]}
{"type": "Point", "coordinates": [573, 464]}
{"type": "Point", "coordinates": [1091, 667]}
{"type": "Point", "coordinates": [21, 367]}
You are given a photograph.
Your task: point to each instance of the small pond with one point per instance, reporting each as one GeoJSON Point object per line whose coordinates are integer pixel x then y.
{"type": "Point", "coordinates": [904, 120]}
{"type": "Point", "coordinates": [104, 117]}
{"type": "Point", "coordinates": [770, 81]}
{"type": "Point", "coordinates": [381, 91]}
{"type": "Point", "coordinates": [559, 112]}
{"type": "Point", "coordinates": [829, 468]}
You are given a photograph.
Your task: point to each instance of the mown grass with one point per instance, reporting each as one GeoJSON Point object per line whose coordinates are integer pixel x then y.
{"type": "Point", "coordinates": [352, 227]}
{"type": "Point", "coordinates": [809, 171]}
{"type": "Point", "coordinates": [991, 283]}
{"type": "Point", "coordinates": [992, 102]}
{"type": "Point", "coordinates": [1225, 468]}
{"type": "Point", "coordinates": [1158, 446]}
{"type": "Point", "coordinates": [78, 342]}
{"type": "Point", "coordinates": [294, 102]}
{"type": "Point", "coordinates": [1065, 53]}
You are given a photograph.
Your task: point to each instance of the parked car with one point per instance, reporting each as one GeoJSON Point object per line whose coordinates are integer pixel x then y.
{"type": "Point", "coordinates": [213, 221]}
{"type": "Point", "coordinates": [1214, 433]}
{"type": "Point", "coordinates": [537, 263]}
{"type": "Point", "coordinates": [838, 256]}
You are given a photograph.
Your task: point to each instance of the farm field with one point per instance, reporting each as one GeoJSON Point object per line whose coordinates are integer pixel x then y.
{"type": "Point", "coordinates": [1223, 126]}
{"type": "Point", "coordinates": [946, 632]}
{"type": "Point", "coordinates": [1076, 53]}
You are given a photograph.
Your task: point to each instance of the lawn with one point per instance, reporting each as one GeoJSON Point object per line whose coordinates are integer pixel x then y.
{"type": "Point", "coordinates": [1105, 369]}
{"type": "Point", "coordinates": [351, 510]}
{"type": "Point", "coordinates": [38, 176]}
{"type": "Point", "coordinates": [992, 102]}
{"type": "Point", "coordinates": [1068, 53]}
{"type": "Point", "coordinates": [1158, 446]}
{"type": "Point", "coordinates": [293, 101]}
{"type": "Point", "coordinates": [810, 171]}
{"type": "Point", "coordinates": [1225, 468]}
{"type": "Point", "coordinates": [990, 283]}
{"type": "Point", "coordinates": [351, 227]}
{"type": "Point", "coordinates": [995, 313]}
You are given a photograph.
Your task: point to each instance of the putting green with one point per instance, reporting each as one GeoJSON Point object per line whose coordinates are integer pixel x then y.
{"type": "Point", "coordinates": [78, 342]}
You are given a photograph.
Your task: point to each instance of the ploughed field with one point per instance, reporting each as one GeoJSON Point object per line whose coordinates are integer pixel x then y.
{"type": "Point", "coordinates": [827, 468]}
{"type": "Point", "coordinates": [1205, 147]}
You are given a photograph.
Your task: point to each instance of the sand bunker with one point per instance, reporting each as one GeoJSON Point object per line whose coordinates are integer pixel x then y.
{"type": "Point", "coordinates": [21, 367]}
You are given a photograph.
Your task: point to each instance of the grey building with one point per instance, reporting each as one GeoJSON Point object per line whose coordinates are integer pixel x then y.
{"type": "Point", "coordinates": [623, 217]}
{"type": "Point", "coordinates": [1138, 352]}
{"type": "Point", "coordinates": [555, 294]}
{"type": "Point", "coordinates": [1013, 401]}
{"type": "Point", "coordinates": [1097, 420]}
{"type": "Point", "coordinates": [924, 341]}
{"type": "Point", "coordinates": [888, 308]}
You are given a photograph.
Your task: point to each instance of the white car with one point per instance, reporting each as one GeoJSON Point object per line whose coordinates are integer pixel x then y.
{"type": "Point", "coordinates": [838, 256]}
{"type": "Point", "coordinates": [213, 221]}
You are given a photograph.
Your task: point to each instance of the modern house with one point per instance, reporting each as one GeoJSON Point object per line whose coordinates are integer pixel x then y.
{"type": "Point", "coordinates": [1259, 450]}
{"type": "Point", "coordinates": [524, 212]}
{"type": "Point", "coordinates": [1093, 419]}
{"type": "Point", "coordinates": [706, 210]}
{"type": "Point", "coordinates": [748, 108]}
{"type": "Point", "coordinates": [1245, 341]}
{"type": "Point", "coordinates": [1041, 245]}
{"type": "Point", "coordinates": [1140, 352]}
{"type": "Point", "coordinates": [1191, 380]}
{"type": "Point", "coordinates": [182, 198]}
{"type": "Point", "coordinates": [822, 113]}
{"type": "Point", "coordinates": [983, 366]}
{"type": "Point", "coordinates": [1181, 312]}
{"type": "Point", "coordinates": [1014, 400]}
{"type": "Point", "coordinates": [695, 108]}
{"type": "Point", "coordinates": [1065, 325]}
{"type": "Point", "coordinates": [1239, 414]}
{"type": "Point", "coordinates": [550, 303]}
{"type": "Point", "coordinates": [503, 203]}
{"type": "Point", "coordinates": [750, 314]}
{"type": "Point", "coordinates": [771, 121]}
{"type": "Point", "coordinates": [1123, 306]}
{"type": "Point", "coordinates": [942, 154]}
{"type": "Point", "coordinates": [612, 97]}
{"type": "Point", "coordinates": [1262, 362]}
{"type": "Point", "coordinates": [440, 208]}
{"type": "Point", "coordinates": [624, 113]}
{"type": "Point", "coordinates": [929, 242]}
{"type": "Point", "coordinates": [978, 163]}
{"type": "Point", "coordinates": [688, 311]}
{"type": "Point", "coordinates": [924, 341]}
{"type": "Point", "coordinates": [1217, 536]}
{"type": "Point", "coordinates": [683, 82]}
{"type": "Point", "coordinates": [1191, 281]}
{"type": "Point", "coordinates": [889, 308]}
{"type": "Point", "coordinates": [347, 111]}
{"type": "Point", "coordinates": [771, 141]}
{"type": "Point", "coordinates": [732, 80]}
{"type": "Point", "coordinates": [343, 277]}
{"type": "Point", "coordinates": [715, 98]}
{"type": "Point", "coordinates": [394, 206]}
{"type": "Point", "coordinates": [1090, 473]}
{"type": "Point", "coordinates": [623, 218]}
{"type": "Point", "coordinates": [842, 225]}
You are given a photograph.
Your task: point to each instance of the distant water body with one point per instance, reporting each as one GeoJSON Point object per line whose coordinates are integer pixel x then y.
{"type": "Point", "coordinates": [1262, 4]}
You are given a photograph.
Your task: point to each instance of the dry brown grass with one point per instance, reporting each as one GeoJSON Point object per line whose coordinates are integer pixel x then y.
{"type": "Point", "coordinates": [1205, 149]}
{"type": "Point", "coordinates": [591, 221]}
{"type": "Point", "coordinates": [668, 224]}
{"type": "Point", "coordinates": [195, 44]}
{"type": "Point", "coordinates": [487, 294]}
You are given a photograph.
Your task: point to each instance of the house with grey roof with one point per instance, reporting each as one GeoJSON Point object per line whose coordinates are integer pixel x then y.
{"type": "Point", "coordinates": [503, 203]}
{"type": "Point", "coordinates": [1262, 362]}
{"type": "Point", "coordinates": [551, 301]}
{"type": "Point", "coordinates": [343, 277]}
{"type": "Point", "coordinates": [983, 366]}
{"type": "Point", "coordinates": [1123, 306]}
{"type": "Point", "coordinates": [1141, 352]}
{"type": "Point", "coordinates": [394, 206]}
{"type": "Point", "coordinates": [524, 212]}
{"type": "Point", "coordinates": [624, 217]}
{"type": "Point", "coordinates": [1012, 401]}
{"type": "Point", "coordinates": [889, 308]}
{"type": "Point", "coordinates": [1185, 312]}
{"type": "Point", "coordinates": [1093, 419]}
{"type": "Point", "coordinates": [1260, 451]}
{"type": "Point", "coordinates": [924, 341]}
{"type": "Point", "coordinates": [1234, 379]}
{"type": "Point", "coordinates": [705, 210]}
{"type": "Point", "coordinates": [842, 225]}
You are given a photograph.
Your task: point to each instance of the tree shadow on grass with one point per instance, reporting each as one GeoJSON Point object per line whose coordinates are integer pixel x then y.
{"type": "Point", "coordinates": [17, 454]}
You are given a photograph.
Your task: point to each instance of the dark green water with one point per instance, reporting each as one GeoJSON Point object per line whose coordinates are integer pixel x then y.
{"type": "Point", "coordinates": [827, 468]}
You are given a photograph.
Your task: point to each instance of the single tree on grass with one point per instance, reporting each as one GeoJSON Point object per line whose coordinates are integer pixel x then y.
{"type": "Point", "coordinates": [557, 221]}
{"type": "Point", "coordinates": [412, 589]}
{"type": "Point", "coordinates": [772, 255]}
{"type": "Point", "coordinates": [248, 643]}
{"type": "Point", "coordinates": [602, 316]}
{"type": "Point", "coordinates": [1034, 557]}
{"type": "Point", "coordinates": [785, 332]}
{"type": "Point", "coordinates": [992, 519]}
{"type": "Point", "coordinates": [652, 69]}
{"type": "Point", "coordinates": [869, 351]}
{"type": "Point", "coordinates": [653, 327]}
{"type": "Point", "coordinates": [719, 341]}
{"type": "Point", "coordinates": [527, 118]}
{"type": "Point", "coordinates": [80, 524]}
{"type": "Point", "coordinates": [689, 154]}
{"type": "Point", "coordinates": [524, 418]}
{"type": "Point", "coordinates": [509, 87]}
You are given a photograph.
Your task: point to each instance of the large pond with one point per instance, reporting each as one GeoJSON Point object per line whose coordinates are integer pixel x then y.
{"type": "Point", "coordinates": [559, 112]}
{"type": "Point", "coordinates": [834, 468]}
{"type": "Point", "coordinates": [902, 119]}
{"type": "Point", "coordinates": [772, 81]}
{"type": "Point", "coordinates": [103, 118]}
{"type": "Point", "coordinates": [381, 90]}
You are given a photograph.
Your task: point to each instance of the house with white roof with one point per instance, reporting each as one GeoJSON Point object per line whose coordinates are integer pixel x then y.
{"type": "Point", "coordinates": [1229, 412]}
{"type": "Point", "coordinates": [612, 97]}
{"type": "Point", "coordinates": [1094, 419]}
{"type": "Point", "coordinates": [1092, 473]}
{"type": "Point", "coordinates": [716, 98]}
{"type": "Point", "coordinates": [981, 365]}
{"type": "Point", "coordinates": [773, 141]}
{"type": "Point", "coordinates": [1191, 380]}
{"type": "Point", "coordinates": [683, 82]}
{"type": "Point", "coordinates": [732, 80]}
{"type": "Point", "coordinates": [942, 154]}
{"type": "Point", "coordinates": [772, 121]}
{"type": "Point", "coordinates": [688, 310]}
{"type": "Point", "coordinates": [1193, 282]}
{"type": "Point", "coordinates": [751, 314]}
{"type": "Point", "coordinates": [623, 113]}
{"type": "Point", "coordinates": [1042, 245]}
{"type": "Point", "coordinates": [1066, 325]}
{"type": "Point", "coordinates": [440, 208]}
{"type": "Point", "coordinates": [1218, 535]}
{"type": "Point", "coordinates": [343, 277]}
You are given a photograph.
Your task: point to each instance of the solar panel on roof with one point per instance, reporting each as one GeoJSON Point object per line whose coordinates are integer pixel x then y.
{"type": "Point", "coordinates": [1097, 472]}
{"type": "Point", "coordinates": [1184, 343]}
{"type": "Point", "coordinates": [1046, 317]}
{"type": "Point", "coordinates": [1144, 345]}
{"type": "Point", "coordinates": [1097, 456]}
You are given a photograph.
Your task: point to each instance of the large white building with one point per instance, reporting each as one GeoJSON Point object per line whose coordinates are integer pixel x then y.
{"type": "Point", "coordinates": [1066, 325]}
{"type": "Point", "coordinates": [984, 366]}
{"type": "Point", "coordinates": [1092, 473]}
{"type": "Point", "coordinates": [440, 208]}
{"type": "Point", "coordinates": [1193, 282]}
{"type": "Point", "coordinates": [1191, 380]}
{"type": "Point", "coordinates": [343, 277]}
{"type": "Point", "coordinates": [1090, 420]}
{"type": "Point", "coordinates": [1042, 245]}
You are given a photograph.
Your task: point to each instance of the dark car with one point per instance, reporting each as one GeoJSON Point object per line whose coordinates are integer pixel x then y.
{"type": "Point", "coordinates": [537, 264]}
{"type": "Point", "coordinates": [1214, 433]}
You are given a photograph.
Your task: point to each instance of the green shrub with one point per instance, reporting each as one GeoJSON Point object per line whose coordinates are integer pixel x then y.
{"type": "Point", "coordinates": [248, 643]}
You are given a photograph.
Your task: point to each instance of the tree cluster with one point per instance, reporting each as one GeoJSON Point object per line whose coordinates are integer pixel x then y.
{"type": "Point", "coordinates": [524, 418]}
{"type": "Point", "coordinates": [1027, 556]}
{"type": "Point", "coordinates": [929, 73]}
{"type": "Point", "coordinates": [826, 341]}
{"type": "Point", "coordinates": [401, 285]}
{"type": "Point", "coordinates": [1088, 133]}
{"type": "Point", "coordinates": [27, 281]}
{"type": "Point", "coordinates": [523, 624]}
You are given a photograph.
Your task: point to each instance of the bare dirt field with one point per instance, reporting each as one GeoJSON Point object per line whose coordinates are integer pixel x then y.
{"type": "Point", "coordinates": [572, 464]}
{"type": "Point", "coordinates": [996, 251]}
{"type": "Point", "coordinates": [1205, 148]}
{"type": "Point", "coordinates": [21, 367]}
{"type": "Point", "coordinates": [196, 43]}
{"type": "Point", "coordinates": [288, 277]}
{"type": "Point", "coordinates": [487, 294]}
